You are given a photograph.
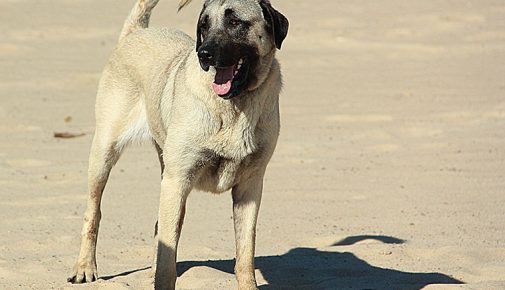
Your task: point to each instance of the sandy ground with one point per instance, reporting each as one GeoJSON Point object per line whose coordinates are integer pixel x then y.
{"type": "Point", "coordinates": [389, 173]}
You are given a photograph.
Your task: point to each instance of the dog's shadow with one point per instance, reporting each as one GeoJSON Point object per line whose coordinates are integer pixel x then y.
{"type": "Point", "coordinates": [308, 268]}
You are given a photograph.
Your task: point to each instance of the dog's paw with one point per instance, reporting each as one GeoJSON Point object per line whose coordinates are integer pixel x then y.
{"type": "Point", "coordinates": [83, 273]}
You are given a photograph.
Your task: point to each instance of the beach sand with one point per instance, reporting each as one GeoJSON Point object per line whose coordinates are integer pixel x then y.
{"type": "Point", "coordinates": [389, 171]}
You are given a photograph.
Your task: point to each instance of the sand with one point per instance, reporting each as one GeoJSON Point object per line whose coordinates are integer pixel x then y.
{"type": "Point", "coordinates": [389, 172]}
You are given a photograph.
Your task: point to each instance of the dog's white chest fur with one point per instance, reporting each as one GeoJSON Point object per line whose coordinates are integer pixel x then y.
{"type": "Point", "coordinates": [236, 136]}
{"type": "Point", "coordinates": [229, 149]}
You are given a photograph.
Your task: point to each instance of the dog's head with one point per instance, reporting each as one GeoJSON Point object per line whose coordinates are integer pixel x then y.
{"type": "Point", "coordinates": [238, 38]}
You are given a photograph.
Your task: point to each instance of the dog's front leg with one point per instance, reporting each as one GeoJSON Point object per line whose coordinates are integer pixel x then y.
{"type": "Point", "coordinates": [246, 203]}
{"type": "Point", "coordinates": [174, 192]}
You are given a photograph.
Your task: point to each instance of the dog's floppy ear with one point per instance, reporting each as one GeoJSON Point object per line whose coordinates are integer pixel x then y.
{"type": "Point", "coordinates": [277, 23]}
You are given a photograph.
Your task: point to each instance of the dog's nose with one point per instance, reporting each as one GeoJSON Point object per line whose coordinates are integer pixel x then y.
{"type": "Point", "coordinates": [205, 55]}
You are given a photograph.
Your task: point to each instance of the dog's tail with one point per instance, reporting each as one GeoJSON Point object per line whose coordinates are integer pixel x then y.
{"type": "Point", "coordinates": [139, 17]}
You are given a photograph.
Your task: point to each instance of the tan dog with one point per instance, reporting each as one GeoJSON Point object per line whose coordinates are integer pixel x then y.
{"type": "Point", "coordinates": [212, 114]}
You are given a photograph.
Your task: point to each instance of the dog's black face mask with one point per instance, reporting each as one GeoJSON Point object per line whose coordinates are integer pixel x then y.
{"type": "Point", "coordinates": [226, 47]}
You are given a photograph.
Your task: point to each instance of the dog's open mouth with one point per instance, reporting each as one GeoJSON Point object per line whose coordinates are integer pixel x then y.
{"type": "Point", "coordinates": [228, 78]}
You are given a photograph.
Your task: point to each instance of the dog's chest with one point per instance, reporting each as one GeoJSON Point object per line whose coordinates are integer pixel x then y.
{"type": "Point", "coordinates": [235, 142]}
{"type": "Point", "coordinates": [229, 152]}
{"type": "Point", "coordinates": [235, 135]}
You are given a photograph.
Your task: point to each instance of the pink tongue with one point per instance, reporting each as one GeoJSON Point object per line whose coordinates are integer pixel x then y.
{"type": "Point", "coordinates": [223, 79]}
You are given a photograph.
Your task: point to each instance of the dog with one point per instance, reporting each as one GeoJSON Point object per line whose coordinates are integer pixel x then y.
{"type": "Point", "coordinates": [211, 109]}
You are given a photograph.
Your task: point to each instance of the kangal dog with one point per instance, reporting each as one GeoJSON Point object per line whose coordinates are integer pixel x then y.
{"type": "Point", "coordinates": [210, 107]}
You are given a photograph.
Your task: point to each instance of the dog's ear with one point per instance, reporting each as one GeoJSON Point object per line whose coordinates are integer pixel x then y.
{"type": "Point", "coordinates": [277, 24]}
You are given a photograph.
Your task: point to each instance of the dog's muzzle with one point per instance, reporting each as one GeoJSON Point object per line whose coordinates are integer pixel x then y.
{"type": "Point", "coordinates": [230, 74]}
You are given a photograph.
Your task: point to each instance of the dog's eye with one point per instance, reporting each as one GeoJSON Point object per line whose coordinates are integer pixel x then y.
{"type": "Point", "coordinates": [234, 22]}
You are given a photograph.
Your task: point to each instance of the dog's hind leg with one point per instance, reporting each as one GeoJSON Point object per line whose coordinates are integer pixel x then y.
{"type": "Point", "coordinates": [103, 156]}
